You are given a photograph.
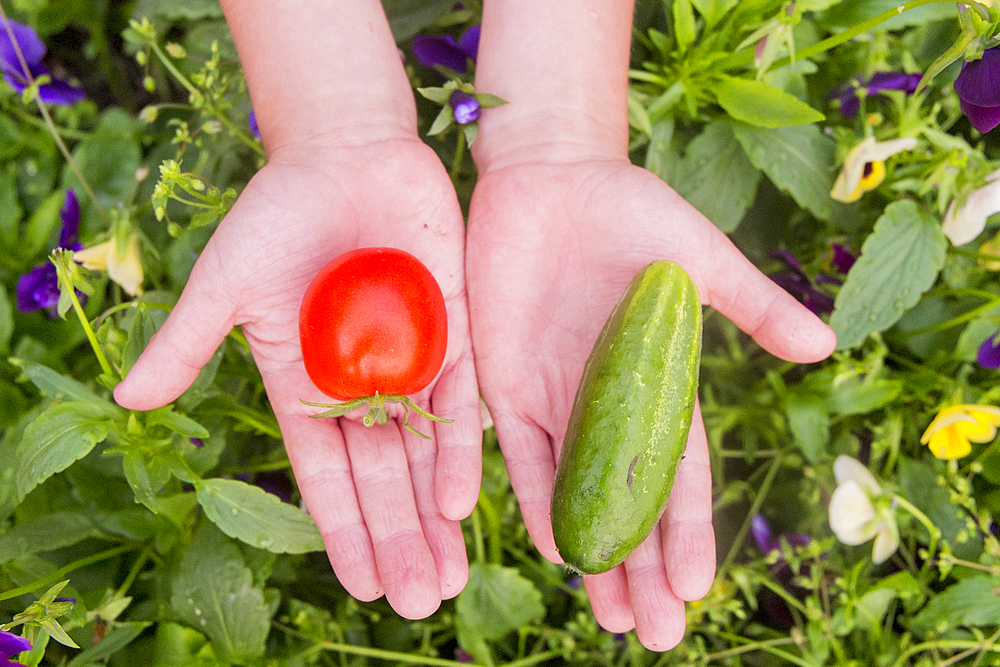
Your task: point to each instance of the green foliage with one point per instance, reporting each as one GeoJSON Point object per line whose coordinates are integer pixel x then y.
{"type": "Point", "coordinates": [157, 525]}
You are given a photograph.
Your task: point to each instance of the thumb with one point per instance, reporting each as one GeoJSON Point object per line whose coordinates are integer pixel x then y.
{"type": "Point", "coordinates": [187, 340]}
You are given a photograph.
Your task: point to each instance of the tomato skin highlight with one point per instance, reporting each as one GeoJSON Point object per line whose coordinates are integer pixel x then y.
{"type": "Point", "coordinates": [373, 320]}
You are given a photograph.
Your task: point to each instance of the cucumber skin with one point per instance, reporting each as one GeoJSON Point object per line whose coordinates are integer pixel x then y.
{"type": "Point", "coordinates": [630, 420]}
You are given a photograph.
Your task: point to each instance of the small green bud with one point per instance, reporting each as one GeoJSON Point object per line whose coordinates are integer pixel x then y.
{"type": "Point", "coordinates": [148, 83]}
{"type": "Point", "coordinates": [176, 50]}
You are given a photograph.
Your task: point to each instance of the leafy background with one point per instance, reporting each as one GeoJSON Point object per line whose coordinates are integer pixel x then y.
{"type": "Point", "coordinates": [152, 530]}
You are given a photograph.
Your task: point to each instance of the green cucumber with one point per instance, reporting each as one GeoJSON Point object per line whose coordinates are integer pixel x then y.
{"type": "Point", "coordinates": [630, 421]}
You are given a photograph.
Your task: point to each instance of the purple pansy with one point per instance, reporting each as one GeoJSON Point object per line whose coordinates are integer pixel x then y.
{"type": "Point", "coordinates": [464, 106]}
{"type": "Point", "coordinates": [10, 646]}
{"type": "Point", "coordinates": [447, 51]}
{"type": "Point", "coordinates": [781, 571]}
{"type": "Point", "coordinates": [988, 355]}
{"type": "Point", "coordinates": [39, 288]}
{"type": "Point", "coordinates": [978, 89]}
{"type": "Point", "coordinates": [848, 93]}
{"type": "Point", "coordinates": [33, 49]}
{"type": "Point", "coordinates": [767, 542]}
{"type": "Point", "coordinates": [797, 282]}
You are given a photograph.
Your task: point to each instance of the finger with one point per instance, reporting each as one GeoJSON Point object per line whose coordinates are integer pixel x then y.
{"type": "Point", "coordinates": [381, 474]}
{"type": "Point", "coordinates": [459, 444]}
{"type": "Point", "coordinates": [758, 306]}
{"type": "Point", "coordinates": [199, 322]}
{"type": "Point", "coordinates": [531, 468]}
{"type": "Point", "coordinates": [318, 454]}
{"type": "Point", "coordinates": [444, 537]}
{"type": "Point", "coordinates": [608, 593]}
{"type": "Point", "coordinates": [659, 613]}
{"type": "Point", "coordinates": [686, 527]}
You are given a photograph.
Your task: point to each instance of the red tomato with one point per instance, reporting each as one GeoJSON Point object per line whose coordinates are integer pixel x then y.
{"type": "Point", "coordinates": [373, 320]}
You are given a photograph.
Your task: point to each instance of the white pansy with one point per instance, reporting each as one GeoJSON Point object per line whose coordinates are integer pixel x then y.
{"type": "Point", "coordinates": [964, 223]}
{"type": "Point", "coordinates": [854, 517]}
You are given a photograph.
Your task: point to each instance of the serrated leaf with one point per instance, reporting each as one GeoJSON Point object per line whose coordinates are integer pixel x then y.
{"type": "Point", "coordinates": [213, 591]}
{"type": "Point", "coordinates": [258, 518]}
{"type": "Point", "coordinates": [899, 261]}
{"type": "Point", "coordinates": [60, 387]}
{"type": "Point", "coordinates": [46, 533]}
{"type": "Point", "coordinates": [760, 104]}
{"type": "Point", "coordinates": [496, 601]}
{"type": "Point", "coordinates": [59, 436]}
{"type": "Point", "coordinates": [715, 157]}
{"type": "Point", "coordinates": [971, 602]}
{"type": "Point", "coordinates": [797, 159]}
{"type": "Point", "coordinates": [176, 422]}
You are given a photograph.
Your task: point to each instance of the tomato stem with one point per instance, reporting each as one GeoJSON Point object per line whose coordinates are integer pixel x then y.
{"type": "Point", "coordinates": [376, 410]}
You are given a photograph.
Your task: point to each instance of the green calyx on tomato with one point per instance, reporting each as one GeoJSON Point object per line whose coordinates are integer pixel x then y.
{"type": "Point", "coordinates": [373, 329]}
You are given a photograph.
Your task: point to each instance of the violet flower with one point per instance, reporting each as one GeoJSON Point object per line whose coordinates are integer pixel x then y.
{"type": "Point", "coordinates": [446, 51]}
{"type": "Point", "coordinates": [978, 90]}
{"type": "Point", "coordinates": [768, 542]}
{"type": "Point", "coordinates": [33, 50]}
{"type": "Point", "coordinates": [847, 93]}
{"type": "Point", "coordinates": [252, 123]}
{"type": "Point", "coordinates": [796, 282]}
{"type": "Point", "coordinates": [10, 646]}
{"type": "Point", "coordinates": [988, 355]}
{"type": "Point", "coordinates": [781, 571]}
{"type": "Point", "coordinates": [39, 288]}
{"type": "Point", "coordinates": [464, 106]}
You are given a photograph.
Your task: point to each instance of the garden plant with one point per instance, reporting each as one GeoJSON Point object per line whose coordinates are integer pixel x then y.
{"type": "Point", "coordinates": [847, 148]}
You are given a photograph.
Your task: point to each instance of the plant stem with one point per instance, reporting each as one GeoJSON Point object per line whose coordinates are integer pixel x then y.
{"type": "Point", "coordinates": [745, 57]}
{"type": "Point", "coordinates": [66, 569]}
{"type": "Point", "coordinates": [765, 486]}
{"type": "Point", "coordinates": [456, 161]}
{"type": "Point", "coordinates": [493, 522]}
{"type": "Point", "coordinates": [477, 536]}
{"type": "Point", "coordinates": [934, 531]}
{"type": "Point", "coordinates": [66, 284]}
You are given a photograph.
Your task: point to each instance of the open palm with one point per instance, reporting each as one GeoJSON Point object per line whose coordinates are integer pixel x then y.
{"type": "Point", "coordinates": [551, 248]}
{"type": "Point", "coordinates": [386, 501]}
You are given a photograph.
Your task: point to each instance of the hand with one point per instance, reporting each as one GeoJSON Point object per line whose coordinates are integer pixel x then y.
{"type": "Point", "coordinates": [551, 248]}
{"type": "Point", "coordinates": [386, 501]}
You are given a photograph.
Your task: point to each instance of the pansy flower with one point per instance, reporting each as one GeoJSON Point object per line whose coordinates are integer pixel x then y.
{"type": "Point", "coordinates": [464, 106]}
{"type": "Point", "coordinates": [446, 51]}
{"type": "Point", "coordinates": [123, 264]}
{"type": "Point", "coordinates": [964, 223]}
{"type": "Point", "coordinates": [848, 93]}
{"type": "Point", "coordinates": [864, 167]}
{"type": "Point", "coordinates": [12, 645]}
{"type": "Point", "coordinates": [978, 90]}
{"type": "Point", "coordinates": [797, 282]}
{"type": "Point", "coordinates": [38, 289]}
{"type": "Point", "coordinates": [860, 511]}
{"type": "Point", "coordinates": [33, 50]}
{"type": "Point", "coordinates": [988, 354]}
{"type": "Point", "coordinates": [950, 434]}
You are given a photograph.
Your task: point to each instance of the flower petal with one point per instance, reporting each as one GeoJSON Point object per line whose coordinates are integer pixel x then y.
{"type": "Point", "coordinates": [31, 45]}
{"type": "Point", "coordinates": [846, 468]}
{"type": "Point", "coordinates": [11, 644]}
{"type": "Point", "coordinates": [95, 257]}
{"type": "Point", "coordinates": [886, 543]}
{"type": "Point", "coordinates": [982, 118]}
{"type": "Point", "coordinates": [441, 50]}
{"type": "Point", "coordinates": [126, 269]}
{"type": "Point", "coordinates": [979, 80]}
{"type": "Point", "coordinates": [70, 215]}
{"type": "Point", "coordinates": [852, 515]}
{"type": "Point", "coordinates": [28, 284]}
{"type": "Point", "coordinates": [988, 354]}
{"type": "Point", "coordinates": [948, 443]}
{"type": "Point", "coordinates": [469, 42]}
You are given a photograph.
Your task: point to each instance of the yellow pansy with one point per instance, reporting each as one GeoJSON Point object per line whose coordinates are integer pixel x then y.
{"type": "Point", "coordinates": [951, 433]}
{"type": "Point", "coordinates": [864, 167]}
{"type": "Point", "coordinates": [123, 265]}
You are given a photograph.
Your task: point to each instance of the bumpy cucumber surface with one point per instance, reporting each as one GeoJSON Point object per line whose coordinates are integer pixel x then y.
{"type": "Point", "coordinates": [630, 421]}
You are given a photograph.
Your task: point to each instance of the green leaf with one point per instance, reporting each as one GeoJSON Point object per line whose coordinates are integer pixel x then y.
{"type": "Point", "coordinates": [713, 10]}
{"type": "Point", "coordinates": [487, 101]}
{"type": "Point", "coordinates": [142, 329]}
{"type": "Point", "coordinates": [438, 95]}
{"type": "Point", "coordinates": [757, 103]}
{"type": "Point", "coordinates": [971, 602]}
{"type": "Point", "coordinates": [408, 17]}
{"type": "Point", "coordinates": [137, 475]}
{"type": "Point", "coordinates": [899, 261]}
{"type": "Point", "coordinates": [6, 320]}
{"type": "Point", "coordinates": [60, 387]}
{"type": "Point", "coordinates": [176, 422]}
{"type": "Point", "coordinates": [797, 159]}
{"type": "Point", "coordinates": [684, 28]}
{"type": "Point", "coordinates": [809, 420]}
{"type": "Point", "coordinates": [59, 436]}
{"type": "Point", "coordinates": [213, 591]}
{"type": "Point", "coordinates": [46, 532]}
{"type": "Point", "coordinates": [109, 157]}
{"type": "Point", "coordinates": [662, 156]}
{"type": "Point", "coordinates": [121, 636]}
{"type": "Point", "coordinates": [496, 601]}
{"type": "Point", "coordinates": [41, 224]}
{"type": "Point", "coordinates": [258, 518]}
{"type": "Point", "coordinates": [715, 157]}
{"type": "Point", "coordinates": [442, 121]}
{"type": "Point", "coordinates": [860, 395]}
